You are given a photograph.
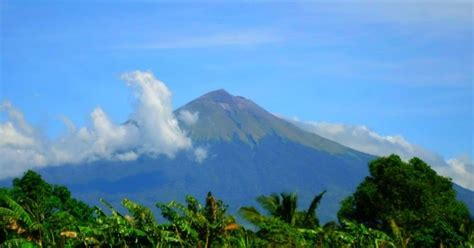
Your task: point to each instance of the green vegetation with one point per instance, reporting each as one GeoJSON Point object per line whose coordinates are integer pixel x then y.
{"type": "Point", "coordinates": [399, 205]}
{"type": "Point", "coordinates": [412, 197]}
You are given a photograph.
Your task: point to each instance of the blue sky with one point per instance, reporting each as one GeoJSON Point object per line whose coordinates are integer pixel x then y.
{"type": "Point", "coordinates": [397, 68]}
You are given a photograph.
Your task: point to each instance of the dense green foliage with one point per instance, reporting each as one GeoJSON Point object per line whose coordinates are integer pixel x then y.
{"type": "Point", "coordinates": [413, 196]}
{"type": "Point", "coordinates": [399, 205]}
{"type": "Point", "coordinates": [38, 211]}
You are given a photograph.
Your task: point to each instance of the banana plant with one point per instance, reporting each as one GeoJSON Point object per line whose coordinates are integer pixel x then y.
{"type": "Point", "coordinates": [117, 230]}
{"type": "Point", "coordinates": [195, 225]}
{"type": "Point", "coordinates": [364, 236]}
{"type": "Point", "coordinates": [16, 219]}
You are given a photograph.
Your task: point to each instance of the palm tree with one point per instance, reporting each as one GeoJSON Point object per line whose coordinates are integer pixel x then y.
{"type": "Point", "coordinates": [285, 226]}
{"type": "Point", "coordinates": [284, 207]}
{"type": "Point", "coordinates": [310, 219]}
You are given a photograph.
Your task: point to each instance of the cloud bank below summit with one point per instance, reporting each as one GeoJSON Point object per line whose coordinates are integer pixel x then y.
{"type": "Point", "coordinates": [152, 130]}
{"type": "Point", "coordinates": [361, 138]}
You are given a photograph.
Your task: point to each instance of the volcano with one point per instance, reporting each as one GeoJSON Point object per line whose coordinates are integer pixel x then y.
{"type": "Point", "coordinates": [249, 151]}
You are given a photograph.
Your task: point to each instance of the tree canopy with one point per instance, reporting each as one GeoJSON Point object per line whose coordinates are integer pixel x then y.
{"type": "Point", "coordinates": [412, 197]}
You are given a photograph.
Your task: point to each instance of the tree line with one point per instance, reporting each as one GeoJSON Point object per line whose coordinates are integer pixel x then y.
{"type": "Point", "coordinates": [400, 204]}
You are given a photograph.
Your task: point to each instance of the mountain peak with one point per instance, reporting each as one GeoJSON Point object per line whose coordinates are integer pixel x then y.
{"type": "Point", "coordinates": [227, 101]}
{"type": "Point", "coordinates": [223, 116]}
{"type": "Point", "coordinates": [220, 95]}
{"type": "Point", "coordinates": [219, 92]}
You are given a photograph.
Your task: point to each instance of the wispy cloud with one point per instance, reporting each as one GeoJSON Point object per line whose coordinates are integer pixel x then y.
{"type": "Point", "coordinates": [152, 130]}
{"type": "Point", "coordinates": [361, 138]}
{"type": "Point", "coordinates": [200, 154]}
{"type": "Point", "coordinates": [187, 117]}
{"type": "Point", "coordinates": [237, 38]}
{"type": "Point", "coordinates": [413, 72]}
{"type": "Point", "coordinates": [450, 12]}
{"type": "Point", "coordinates": [399, 12]}
{"type": "Point", "coordinates": [461, 169]}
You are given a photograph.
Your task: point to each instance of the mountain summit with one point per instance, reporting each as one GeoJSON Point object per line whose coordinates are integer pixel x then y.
{"type": "Point", "coordinates": [223, 116]}
{"type": "Point", "coordinates": [220, 95]}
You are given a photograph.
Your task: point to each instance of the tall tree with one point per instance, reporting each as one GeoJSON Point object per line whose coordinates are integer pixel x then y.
{"type": "Point", "coordinates": [420, 202]}
{"type": "Point", "coordinates": [44, 200]}
{"type": "Point", "coordinates": [51, 208]}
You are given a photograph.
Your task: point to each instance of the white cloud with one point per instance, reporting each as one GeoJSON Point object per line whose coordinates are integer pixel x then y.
{"type": "Point", "coordinates": [152, 130]}
{"type": "Point", "coordinates": [19, 144]}
{"type": "Point", "coordinates": [101, 140]}
{"type": "Point", "coordinates": [16, 117]}
{"type": "Point", "coordinates": [154, 115]}
{"type": "Point", "coordinates": [10, 136]}
{"type": "Point", "coordinates": [187, 117]}
{"type": "Point", "coordinates": [128, 156]}
{"type": "Point", "coordinates": [13, 161]}
{"type": "Point", "coordinates": [461, 169]}
{"type": "Point", "coordinates": [361, 138]}
{"type": "Point", "coordinates": [200, 154]}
